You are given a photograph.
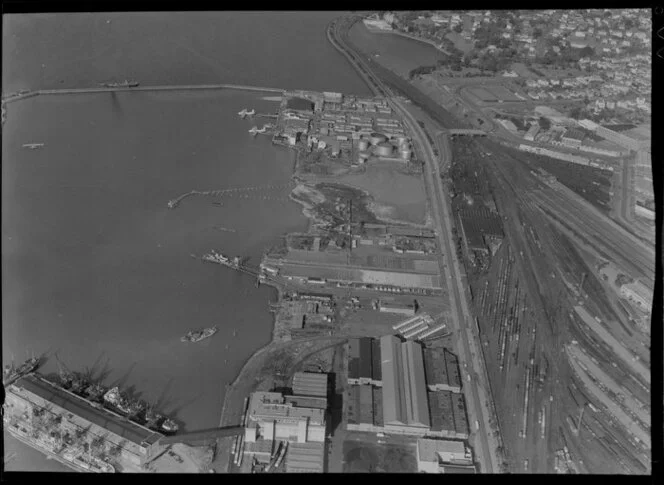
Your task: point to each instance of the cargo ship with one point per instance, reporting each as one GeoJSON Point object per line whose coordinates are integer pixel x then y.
{"type": "Point", "coordinates": [116, 401]}
{"type": "Point", "coordinates": [198, 335]}
{"type": "Point", "coordinates": [10, 374]}
{"type": "Point", "coordinates": [123, 84]}
{"type": "Point", "coordinates": [95, 392]}
{"type": "Point", "coordinates": [33, 146]}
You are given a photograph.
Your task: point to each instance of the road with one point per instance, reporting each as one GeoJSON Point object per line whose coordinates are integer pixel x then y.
{"type": "Point", "coordinates": [469, 351]}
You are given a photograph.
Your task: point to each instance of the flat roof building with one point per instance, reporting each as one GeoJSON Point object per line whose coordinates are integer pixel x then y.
{"type": "Point", "coordinates": [271, 418]}
{"type": "Point", "coordinates": [432, 455]}
{"type": "Point", "coordinates": [401, 308]}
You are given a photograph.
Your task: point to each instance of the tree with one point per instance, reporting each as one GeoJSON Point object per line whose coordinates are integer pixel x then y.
{"type": "Point", "coordinates": [544, 123]}
{"type": "Point", "coordinates": [458, 28]}
{"type": "Point", "coordinates": [537, 33]}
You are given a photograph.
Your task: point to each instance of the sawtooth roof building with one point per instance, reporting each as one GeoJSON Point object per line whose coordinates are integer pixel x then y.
{"type": "Point", "coordinates": [405, 406]}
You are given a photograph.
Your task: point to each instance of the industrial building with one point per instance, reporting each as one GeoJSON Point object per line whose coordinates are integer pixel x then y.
{"type": "Point", "coordinates": [419, 393]}
{"type": "Point", "coordinates": [442, 370]}
{"type": "Point", "coordinates": [305, 458]}
{"type": "Point", "coordinates": [479, 227]}
{"type": "Point", "coordinates": [448, 414]}
{"type": "Point", "coordinates": [270, 417]}
{"type": "Point", "coordinates": [432, 455]}
{"type": "Point", "coordinates": [405, 407]}
{"type": "Point", "coordinates": [364, 362]}
{"type": "Point", "coordinates": [136, 444]}
{"type": "Point", "coordinates": [394, 307]}
{"type": "Point", "coordinates": [310, 384]}
{"type": "Point", "coordinates": [364, 408]}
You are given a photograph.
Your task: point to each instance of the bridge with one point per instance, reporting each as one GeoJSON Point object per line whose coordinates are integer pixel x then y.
{"type": "Point", "coordinates": [202, 437]}
{"type": "Point", "coordinates": [465, 132]}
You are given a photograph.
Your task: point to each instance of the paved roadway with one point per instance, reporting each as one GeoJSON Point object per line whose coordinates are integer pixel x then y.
{"type": "Point", "coordinates": [469, 351]}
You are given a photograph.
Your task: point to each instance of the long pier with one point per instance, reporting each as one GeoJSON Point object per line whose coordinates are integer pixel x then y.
{"type": "Point", "coordinates": [183, 87]}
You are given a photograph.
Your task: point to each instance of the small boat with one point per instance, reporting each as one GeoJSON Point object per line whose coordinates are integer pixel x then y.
{"type": "Point", "coordinates": [246, 112]}
{"type": "Point", "coordinates": [198, 335]}
{"type": "Point", "coordinates": [169, 426]}
{"type": "Point", "coordinates": [33, 146]}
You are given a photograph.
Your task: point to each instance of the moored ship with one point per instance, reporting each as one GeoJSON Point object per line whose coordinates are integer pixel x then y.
{"type": "Point", "coordinates": [124, 84]}
{"type": "Point", "coordinates": [215, 257]}
{"type": "Point", "coordinates": [95, 392]}
{"type": "Point", "coordinates": [198, 335]}
{"type": "Point", "coordinates": [116, 401]}
{"type": "Point", "coordinates": [11, 374]}
{"type": "Point", "coordinates": [169, 426]}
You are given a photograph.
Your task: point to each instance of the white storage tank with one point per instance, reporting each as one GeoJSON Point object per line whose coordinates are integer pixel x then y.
{"type": "Point", "coordinates": [363, 157]}
{"type": "Point", "coordinates": [377, 138]}
{"type": "Point", "coordinates": [405, 153]}
{"type": "Point", "coordinates": [363, 144]}
{"type": "Point", "coordinates": [384, 149]}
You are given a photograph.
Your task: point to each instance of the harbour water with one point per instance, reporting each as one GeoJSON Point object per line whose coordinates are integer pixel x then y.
{"type": "Point", "coordinates": [95, 266]}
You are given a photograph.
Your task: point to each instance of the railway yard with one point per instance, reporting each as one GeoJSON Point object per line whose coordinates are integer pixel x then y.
{"type": "Point", "coordinates": [537, 295]}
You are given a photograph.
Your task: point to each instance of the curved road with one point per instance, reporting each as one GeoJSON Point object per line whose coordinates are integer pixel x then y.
{"type": "Point", "coordinates": [469, 351]}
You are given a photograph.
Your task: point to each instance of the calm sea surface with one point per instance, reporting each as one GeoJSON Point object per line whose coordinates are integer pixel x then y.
{"type": "Point", "coordinates": [94, 265]}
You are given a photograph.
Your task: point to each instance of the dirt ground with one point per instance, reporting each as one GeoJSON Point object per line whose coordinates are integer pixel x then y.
{"type": "Point", "coordinates": [403, 194]}
{"type": "Point", "coordinates": [183, 459]}
{"type": "Point", "coordinates": [366, 457]}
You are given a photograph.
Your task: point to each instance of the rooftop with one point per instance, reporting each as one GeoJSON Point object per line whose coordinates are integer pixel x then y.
{"type": "Point", "coordinates": [429, 449]}
{"type": "Point", "coordinates": [271, 405]}
{"type": "Point", "coordinates": [305, 458]}
{"type": "Point", "coordinates": [80, 407]}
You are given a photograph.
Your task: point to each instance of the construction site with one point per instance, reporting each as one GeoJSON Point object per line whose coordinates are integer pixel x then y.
{"type": "Point", "coordinates": [538, 302]}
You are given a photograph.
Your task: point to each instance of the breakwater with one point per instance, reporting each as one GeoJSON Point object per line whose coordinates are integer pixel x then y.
{"type": "Point", "coordinates": [241, 191]}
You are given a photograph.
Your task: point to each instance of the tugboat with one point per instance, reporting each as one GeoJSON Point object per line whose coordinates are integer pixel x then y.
{"type": "Point", "coordinates": [246, 112]}
{"type": "Point", "coordinates": [169, 426]}
{"type": "Point", "coordinates": [198, 335]}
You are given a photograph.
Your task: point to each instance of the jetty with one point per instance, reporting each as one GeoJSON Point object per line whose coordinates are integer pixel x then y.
{"type": "Point", "coordinates": [173, 203]}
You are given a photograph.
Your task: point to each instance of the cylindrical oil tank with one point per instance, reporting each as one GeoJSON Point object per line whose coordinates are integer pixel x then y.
{"type": "Point", "coordinates": [363, 144]}
{"type": "Point", "coordinates": [402, 139]}
{"type": "Point", "coordinates": [384, 149]}
{"type": "Point", "coordinates": [377, 138]}
{"type": "Point", "coordinates": [405, 154]}
{"type": "Point", "coordinates": [404, 146]}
